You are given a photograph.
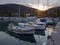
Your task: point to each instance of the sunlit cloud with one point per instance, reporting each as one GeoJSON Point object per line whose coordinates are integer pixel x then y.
{"type": "Point", "coordinates": [40, 6]}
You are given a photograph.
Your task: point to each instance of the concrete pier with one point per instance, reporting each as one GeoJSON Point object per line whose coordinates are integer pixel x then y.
{"type": "Point", "coordinates": [55, 39]}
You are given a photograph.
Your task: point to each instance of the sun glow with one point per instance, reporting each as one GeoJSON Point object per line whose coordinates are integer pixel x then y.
{"type": "Point", "coordinates": [40, 7]}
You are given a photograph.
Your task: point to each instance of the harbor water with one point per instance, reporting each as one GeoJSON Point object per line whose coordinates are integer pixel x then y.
{"type": "Point", "coordinates": [9, 38]}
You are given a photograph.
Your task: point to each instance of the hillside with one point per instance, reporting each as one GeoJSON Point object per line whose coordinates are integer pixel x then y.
{"type": "Point", "coordinates": [16, 10]}
{"type": "Point", "coordinates": [54, 12]}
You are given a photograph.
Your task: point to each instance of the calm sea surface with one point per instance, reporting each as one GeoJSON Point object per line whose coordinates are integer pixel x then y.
{"type": "Point", "coordinates": [9, 38]}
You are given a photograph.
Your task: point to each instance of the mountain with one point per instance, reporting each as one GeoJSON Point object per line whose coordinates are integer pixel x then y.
{"type": "Point", "coordinates": [5, 11]}
{"type": "Point", "coordinates": [16, 10]}
{"type": "Point", "coordinates": [54, 12]}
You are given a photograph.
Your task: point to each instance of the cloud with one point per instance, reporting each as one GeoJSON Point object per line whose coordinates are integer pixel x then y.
{"type": "Point", "coordinates": [44, 2]}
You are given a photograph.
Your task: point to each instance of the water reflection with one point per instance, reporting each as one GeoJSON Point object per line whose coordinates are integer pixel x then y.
{"type": "Point", "coordinates": [29, 38]}
{"type": "Point", "coordinates": [40, 32]}
{"type": "Point", "coordinates": [9, 38]}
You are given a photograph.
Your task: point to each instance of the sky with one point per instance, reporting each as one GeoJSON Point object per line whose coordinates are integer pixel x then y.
{"type": "Point", "coordinates": [32, 2]}
{"type": "Point", "coordinates": [51, 2]}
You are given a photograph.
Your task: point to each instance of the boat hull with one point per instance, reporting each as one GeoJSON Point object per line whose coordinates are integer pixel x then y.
{"type": "Point", "coordinates": [23, 32]}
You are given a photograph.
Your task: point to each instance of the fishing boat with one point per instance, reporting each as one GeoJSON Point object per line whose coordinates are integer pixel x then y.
{"type": "Point", "coordinates": [40, 24]}
{"type": "Point", "coordinates": [21, 29]}
{"type": "Point", "coordinates": [50, 21]}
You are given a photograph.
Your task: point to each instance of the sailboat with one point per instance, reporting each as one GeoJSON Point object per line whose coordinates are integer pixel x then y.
{"type": "Point", "coordinates": [21, 28]}
{"type": "Point", "coordinates": [40, 22]}
{"type": "Point", "coordinates": [49, 20]}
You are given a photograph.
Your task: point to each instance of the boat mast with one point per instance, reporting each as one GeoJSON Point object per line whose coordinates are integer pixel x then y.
{"type": "Point", "coordinates": [19, 11]}
{"type": "Point", "coordinates": [43, 5]}
{"type": "Point", "coordinates": [56, 11]}
{"type": "Point", "coordinates": [47, 6]}
{"type": "Point", "coordinates": [38, 8]}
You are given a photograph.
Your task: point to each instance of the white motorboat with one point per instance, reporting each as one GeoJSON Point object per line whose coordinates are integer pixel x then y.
{"type": "Point", "coordinates": [49, 20]}
{"type": "Point", "coordinates": [40, 24]}
{"type": "Point", "coordinates": [21, 29]}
